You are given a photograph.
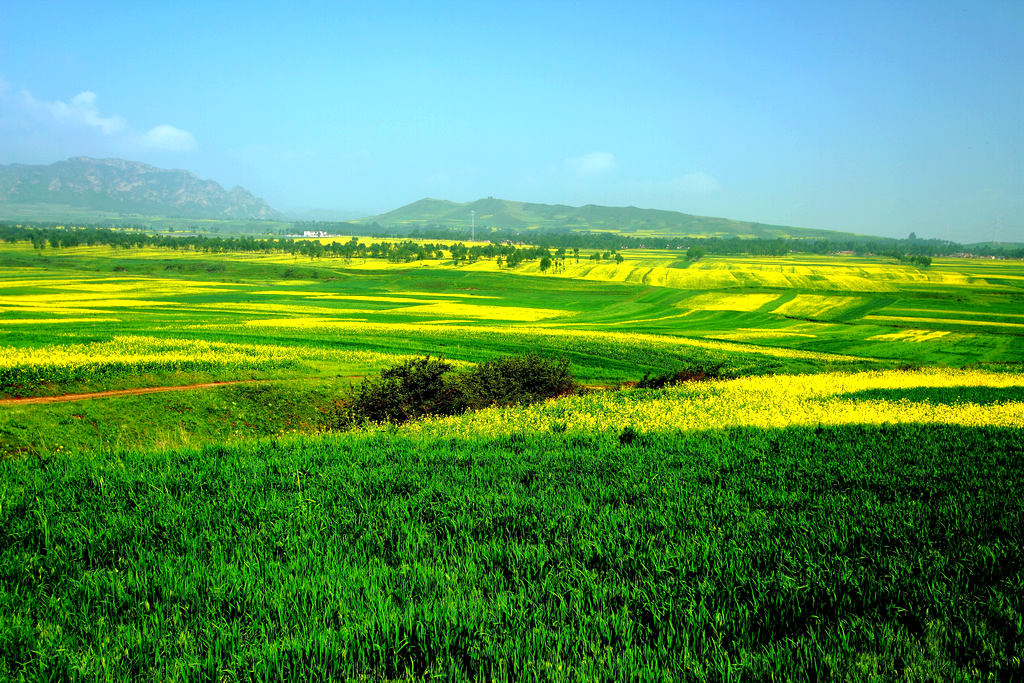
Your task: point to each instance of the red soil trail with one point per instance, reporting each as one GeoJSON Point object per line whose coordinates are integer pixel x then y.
{"type": "Point", "coordinates": [117, 392]}
{"type": "Point", "coordinates": [141, 390]}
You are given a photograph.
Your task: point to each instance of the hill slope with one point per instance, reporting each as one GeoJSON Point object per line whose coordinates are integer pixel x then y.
{"type": "Point", "coordinates": [510, 215]}
{"type": "Point", "coordinates": [121, 186]}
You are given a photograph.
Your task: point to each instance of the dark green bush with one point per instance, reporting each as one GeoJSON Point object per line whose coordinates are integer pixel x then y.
{"type": "Point", "coordinates": [509, 380]}
{"type": "Point", "coordinates": [409, 390]}
{"type": "Point", "coordinates": [628, 436]}
{"type": "Point", "coordinates": [422, 386]}
{"type": "Point", "coordinates": [693, 374]}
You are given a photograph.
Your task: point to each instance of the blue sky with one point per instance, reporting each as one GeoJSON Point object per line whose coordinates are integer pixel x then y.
{"type": "Point", "coordinates": [874, 117]}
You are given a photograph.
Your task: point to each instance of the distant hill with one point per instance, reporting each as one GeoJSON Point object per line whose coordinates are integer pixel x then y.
{"type": "Point", "coordinates": [125, 187]}
{"type": "Point", "coordinates": [509, 215]}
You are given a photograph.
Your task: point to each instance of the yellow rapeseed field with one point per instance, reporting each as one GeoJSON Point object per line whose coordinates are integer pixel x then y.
{"type": "Point", "coordinates": [446, 295]}
{"type": "Point", "coordinates": [139, 354]}
{"type": "Point", "coordinates": [911, 335]}
{"type": "Point", "coordinates": [931, 312]}
{"type": "Point", "coordinates": [942, 321]}
{"type": "Point", "coordinates": [134, 353]}
{"type": "Point", "coordinates": [43, 302]}
{"type": "Point", "coordinates": [715, 301]}
{"type": "Point", "coordinates": [61, 321]}
{"type": "Point", "coordinates": [558, 336]}
{"type": "Point", "coordinates": [815, 305]}
{"type": "Point", "coordinates": [313, 294]}
{"type": "Point", "coordinates": [764, 402]}
{"type": "Point", "coordinates": [244, 307]}
{"type": "Point", "coordinates": [511, 313]}
{"type": "Point", "coordinates": [758, 333]}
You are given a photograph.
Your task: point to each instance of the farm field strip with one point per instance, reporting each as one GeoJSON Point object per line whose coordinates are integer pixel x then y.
{"type": "Point", "coordinates": [44, 302]}
{"type": "Point", "coordinates": [743, 333]}
{"type": "Point", "coordinates": [717, 301]}
{"type": "Point", "coordinates": [506, 313]}
{"type": "Point", "coordinates": [132, 355]}
{"type": "Point", "coordinates": [772, 402]}
{"type": "Point", "coordinates": [927, 313]}
{"type": "Point", "coordinates": [63, 363]}
{"type": "Point", "coordinates": [942, 321]}
{"type": "Point", "coordinates": [548, 334]}
{"type": "Point", "coordinates": [816, 305]}
{"type": "Point", "coordinates": [259, 308]}
{"type": "Point", "coordinates": [912, 335]}
{"type": "Point", "coordinates": [58, 321]}
{"type": "Point", "coordinates": [633, 322]}
{"type": "Point", "coordinates": [340, 296]}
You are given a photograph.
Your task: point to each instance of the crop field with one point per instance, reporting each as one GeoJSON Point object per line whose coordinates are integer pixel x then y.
{"type": "Point", "coordinates": [831, 305]}
{"type": "Point", "coordinates": [839, 499]}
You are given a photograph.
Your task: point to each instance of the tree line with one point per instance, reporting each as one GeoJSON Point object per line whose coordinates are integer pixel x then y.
{"type": "Point", "coordinates": [903, 250]}
{"type": "Point", "coordinates": [406, 251]}
{"type": "Point", "coordinates": [509, 248]}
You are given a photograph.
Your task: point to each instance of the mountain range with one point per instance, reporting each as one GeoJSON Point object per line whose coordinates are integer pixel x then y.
{"type": "Point", "coordinates": [511, 215]}
{"type": "Point", "coordinates": [126, 187]}
{"type": "Point", "coordinates": [81, 187]}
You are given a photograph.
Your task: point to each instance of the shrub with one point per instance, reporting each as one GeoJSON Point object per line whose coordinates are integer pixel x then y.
{"type": "Point", "coordinates": [628, 436]}
{"type": "Point", "coordinates": [421, 386]}
{"type": "Point", "coordinates": [693, 374]}
{"type": "Point", "coordinates": [409, 390]}
{"type": "Point", "coordinates": [509, 380]}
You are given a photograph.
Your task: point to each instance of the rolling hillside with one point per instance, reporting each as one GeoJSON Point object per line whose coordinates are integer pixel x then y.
{"type": "Point", "coordinates": [510, 215]}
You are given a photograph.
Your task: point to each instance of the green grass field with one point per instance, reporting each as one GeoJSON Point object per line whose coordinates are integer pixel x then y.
{"type": "Point", "coordinates": [844, 503]}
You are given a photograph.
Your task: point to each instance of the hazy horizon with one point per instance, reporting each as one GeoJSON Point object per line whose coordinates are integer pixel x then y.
{"type": "Point", "coordinates": [877, 119]}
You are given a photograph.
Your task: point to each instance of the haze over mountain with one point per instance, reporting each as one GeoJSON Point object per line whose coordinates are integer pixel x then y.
{"type": "Point", "coordinates": [117, 185]}
{"type": "Point", "coordinates": [95, 190]}
{"type": "Point", "coordinates": [512, 215]}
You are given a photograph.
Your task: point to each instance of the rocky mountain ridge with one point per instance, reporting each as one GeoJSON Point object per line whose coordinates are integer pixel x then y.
{"type": "Point", "coordinates": [125, 186]}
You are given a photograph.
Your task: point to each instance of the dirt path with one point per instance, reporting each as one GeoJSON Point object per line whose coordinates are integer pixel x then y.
{"type": "Point", "coordinates": [118, 392]}
{"type": "Point", "coordinates": [145, 390]}
{"type": "Point", "coordinates": [184, 387]}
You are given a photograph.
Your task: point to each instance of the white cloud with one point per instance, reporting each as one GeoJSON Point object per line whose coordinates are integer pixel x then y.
{"type": "Point", "coordinates": [593, 164]}
{"type": "Point", "coordinates": [170, 138]}
{"type": "Point", "coordinates": [82, 110]}
{"type": "Point", "coordinates": [79, 111]}
{"type": "Point", "coordinates": [695, 183]}
{"type": "Point", "coordinates": [77, 126]}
